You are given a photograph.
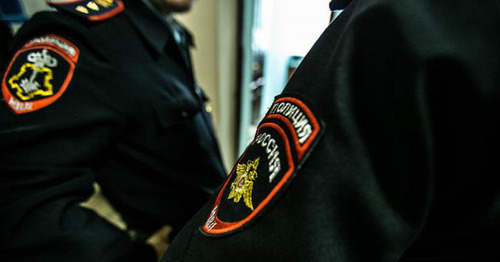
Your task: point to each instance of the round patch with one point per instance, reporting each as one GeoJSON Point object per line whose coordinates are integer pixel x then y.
{"type": "Point", "coordinates": [283, 141]}
{"type": "Point", "coordinates": [39, 74]}
{"type": "Point", "coordinates": [259, 174]}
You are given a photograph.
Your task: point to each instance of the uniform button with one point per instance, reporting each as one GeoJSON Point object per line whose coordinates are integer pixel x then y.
{"type": "Point", "coordinates": [184, 114]}
{"type": "Point", "coordinates": [209, 109]}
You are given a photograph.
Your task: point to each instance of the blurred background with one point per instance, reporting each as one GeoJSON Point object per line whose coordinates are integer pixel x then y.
{"type": "Point", "coordinates": [246, 50]}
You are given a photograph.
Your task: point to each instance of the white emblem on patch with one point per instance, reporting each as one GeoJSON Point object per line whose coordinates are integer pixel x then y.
{"type": "Point", "coordinates": [39, 61]}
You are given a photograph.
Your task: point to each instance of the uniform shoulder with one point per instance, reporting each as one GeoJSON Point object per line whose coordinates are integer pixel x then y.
{"type": "Point", "coordinates": [44, 57]}
{"type": "Point", "coordinates": [91, 10]}
{"type": "Point", "coordinates": [51, 23]}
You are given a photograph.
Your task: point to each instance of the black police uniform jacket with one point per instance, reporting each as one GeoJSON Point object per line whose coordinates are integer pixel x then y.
{"type": "Point", "coordinates": [113, 100]}
{"type": "Point", "coordinates": [5, 38]}
{"type": "Point", "coordinates": [382, 147]}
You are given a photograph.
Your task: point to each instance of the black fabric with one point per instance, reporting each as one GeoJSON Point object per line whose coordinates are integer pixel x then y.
{"type": "Point", "coordinates": [339, 4]}
{"type": "Point", "coordinates": [406, 169]}
{"type": "Point", "coordinates": [5, 39]}
{"type": "Point", "coordinates": [132, 120]}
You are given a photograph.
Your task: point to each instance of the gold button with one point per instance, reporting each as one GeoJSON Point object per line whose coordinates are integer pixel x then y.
{"type": "Point", "coordinates": [209, 109]}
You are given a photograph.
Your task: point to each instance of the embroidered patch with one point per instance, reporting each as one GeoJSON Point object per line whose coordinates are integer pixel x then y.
{"type": "Point", "coordinates": [282, 142]}
{"type": "Point", "coordinates": [39, 73]}
{"type": "Point", "coordinates": [298, 118]}
{"type": "Point", "coordinates": [93, 10]}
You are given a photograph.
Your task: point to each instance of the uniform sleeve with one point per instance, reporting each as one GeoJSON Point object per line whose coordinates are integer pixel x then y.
{"type": "Point", "coordinates": [363, 192]}
{"type": "Point", "coordinates": [409, 107]}
{"type": "Point", "coordinates": [55, 127]}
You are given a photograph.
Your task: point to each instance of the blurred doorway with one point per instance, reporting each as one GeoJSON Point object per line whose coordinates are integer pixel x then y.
{"type": "Point", "coordinates": [276, 35]}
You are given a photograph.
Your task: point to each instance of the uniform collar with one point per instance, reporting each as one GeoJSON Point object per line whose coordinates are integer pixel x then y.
{"type": "Point", "coordinates": [150, 24]}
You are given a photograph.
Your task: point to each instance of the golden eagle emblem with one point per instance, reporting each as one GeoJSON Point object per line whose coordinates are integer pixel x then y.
{"type": "Point", "coordinates": [242, 186]}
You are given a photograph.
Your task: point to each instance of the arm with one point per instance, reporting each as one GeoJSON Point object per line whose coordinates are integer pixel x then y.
{"type": "Point", "coordinates": [410, 109]}
{"type": "Point", "coordinates": [47, 155]}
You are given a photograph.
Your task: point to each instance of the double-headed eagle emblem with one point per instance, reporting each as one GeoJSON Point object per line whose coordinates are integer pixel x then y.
{"type": "Point", "coordinates": [242, 185]}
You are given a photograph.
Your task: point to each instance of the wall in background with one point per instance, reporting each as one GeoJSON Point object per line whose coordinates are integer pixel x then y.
{"type": "Point", "coordinates": [278, 34]}
{"type": "Point", "coordinates": [214, 26]}
{"type": "Point", "coordinates": [32, 6]}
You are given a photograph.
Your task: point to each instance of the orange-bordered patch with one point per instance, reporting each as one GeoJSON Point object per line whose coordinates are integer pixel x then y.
{"type": "Point", "coordinates": [281, 144]}
{"type": "Point", "coordinates": [39, 73]}
{"type": "Point", "coordinates": [92, 10]}
{"type": "Point", "coordinates": [299, 119]}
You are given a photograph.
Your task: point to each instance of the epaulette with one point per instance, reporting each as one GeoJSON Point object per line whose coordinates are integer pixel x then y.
{"type": "Point", "coordinates": [92, 10]}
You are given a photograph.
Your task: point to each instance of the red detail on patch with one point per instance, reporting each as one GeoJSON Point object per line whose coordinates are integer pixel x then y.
{"type": "Point", "coordinates": [112, 12]}
{"type": "Point", "coordinates": [301, 149]}
{"type": "Point", "coordinates": [73, 57]}
{"type": "Point", "coordinates": [30, 106]}
{"type": "Point", "coordinates": [222, 227]}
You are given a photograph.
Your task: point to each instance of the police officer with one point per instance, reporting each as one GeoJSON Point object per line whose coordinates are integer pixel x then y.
{"type": "Point", "coordinates": [382, 147]}
{"type": "Point", "coordinates": [101, 90]}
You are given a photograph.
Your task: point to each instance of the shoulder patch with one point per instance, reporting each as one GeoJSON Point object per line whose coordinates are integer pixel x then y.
{"type": "Point", "coordinates": [92, 10]}
{"type": "Point", "coordinates": [39, 73]}
{"type": "Point", "coordinates": [284, 138]}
